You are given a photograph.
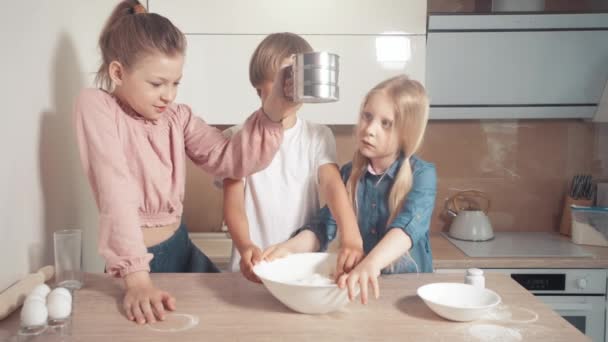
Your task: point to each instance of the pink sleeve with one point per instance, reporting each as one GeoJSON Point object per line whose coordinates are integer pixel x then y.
{"type": "Point", "coordinates": [246, 152]}
{"type": "Point", "coordinates": [104, 162]}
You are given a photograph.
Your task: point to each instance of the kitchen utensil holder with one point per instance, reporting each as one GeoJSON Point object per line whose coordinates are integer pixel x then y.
{"type": "Point", "coordinates": [565, 227]}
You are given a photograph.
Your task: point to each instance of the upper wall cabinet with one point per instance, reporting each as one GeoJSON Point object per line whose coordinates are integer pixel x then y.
{"type": "Point", "coordinates": [216, 77]}
{"type": "Point", "coordinates": [516, 66]}
{"type": "Point", "coordinates": [223, 35]}
{"type": "Point", "coordinates": [302, 17]}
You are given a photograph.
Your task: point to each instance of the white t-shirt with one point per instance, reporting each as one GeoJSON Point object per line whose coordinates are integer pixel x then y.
{"type": "Point", "coordinates": [284, 196]}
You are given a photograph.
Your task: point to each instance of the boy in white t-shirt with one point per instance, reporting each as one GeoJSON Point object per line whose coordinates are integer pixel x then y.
{"type": "Point", "coordinates": [265, 208]}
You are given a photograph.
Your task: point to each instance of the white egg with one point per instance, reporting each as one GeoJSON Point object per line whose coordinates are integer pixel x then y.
{"type": "Point", "coordinates": [41, 290]}
{"type": "Point", "coordinates": [33, 313]}
{"type": "Point", "coordinates": [35, 297]}
{"type": "Point", "coordinates": [61, 292]}
{"type": "Point", "coordinates": [59, 307]}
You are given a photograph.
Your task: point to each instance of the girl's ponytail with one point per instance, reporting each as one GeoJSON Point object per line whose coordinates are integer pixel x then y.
{"type": "Point", "coordinates": [139, 9]}
{"type": "Point", "coordinates": [411, 117]}
{"type": "Point", "coordinates": [359, 166]}
{"type": "Point", "coordinates": [401, 187]}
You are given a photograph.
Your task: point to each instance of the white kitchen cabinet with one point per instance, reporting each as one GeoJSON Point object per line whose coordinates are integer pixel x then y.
{"type": "Point", "coordinates": [520, 66]}
{"type": "Point", "coordinates": [223, 35]}
{"type": "Point", "coordinates": [516, 21]}
{"type": "Point", "coordinates": [516, 66]}
{"type": "Point", "coordinates": [216, 79]}
{"type": "Point", "coordinates": [302, 17]}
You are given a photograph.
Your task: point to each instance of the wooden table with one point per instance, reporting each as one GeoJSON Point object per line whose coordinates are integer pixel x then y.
{"type": "Point", "coordinates": [230, 308]}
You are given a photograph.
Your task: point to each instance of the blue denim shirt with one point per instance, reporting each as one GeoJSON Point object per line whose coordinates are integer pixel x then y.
{"type": "Point", "coordinates": [373, 213]}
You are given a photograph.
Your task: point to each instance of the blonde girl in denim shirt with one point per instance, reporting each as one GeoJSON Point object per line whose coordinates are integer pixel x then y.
{"type": "Point", "coordinates": [392, 190]}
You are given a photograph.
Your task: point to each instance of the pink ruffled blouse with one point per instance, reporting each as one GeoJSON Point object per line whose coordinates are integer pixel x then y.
{"type": "Point", "coordinates": [137, 167]}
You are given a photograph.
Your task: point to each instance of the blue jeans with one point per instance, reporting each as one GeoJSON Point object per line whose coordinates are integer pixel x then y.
{"type": "Point", "coordinates": [179, 255]}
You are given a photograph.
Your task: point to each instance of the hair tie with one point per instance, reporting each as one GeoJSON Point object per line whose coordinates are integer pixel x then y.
{"type": "Point", "coordinates": [139, 9]}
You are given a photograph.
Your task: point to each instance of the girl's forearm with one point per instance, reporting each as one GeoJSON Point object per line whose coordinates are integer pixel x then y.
{"type": "Point", "coordinates": [135, 279]}
{"type": "Point", "coordinates": [335, 194]}
{"type": "Point", "coordinates": [393, 245]}
{"type": "Point", "coordinates": [234, 213]}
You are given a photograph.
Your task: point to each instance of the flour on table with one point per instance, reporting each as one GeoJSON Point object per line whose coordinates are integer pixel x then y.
{"type": "Point", "coordinates": [175, 322]}
{"type": "Point", "coordinates": [495, 333]}
{"type": "Point", "coordinates": [510, 314]}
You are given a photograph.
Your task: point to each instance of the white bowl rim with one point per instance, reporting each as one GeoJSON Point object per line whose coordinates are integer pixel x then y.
{"type": "Point", "coordinates": [290, 283]}
{"type": "Point", "coordinates": [497, 296]}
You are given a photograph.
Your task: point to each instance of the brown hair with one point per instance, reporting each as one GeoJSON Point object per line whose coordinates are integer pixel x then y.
{"type": "Point", "coordinates": [411, 108]}
{"type": "Point", "coordinates": [270, 53]}
{"type": "Point", "coordinates": [132, 33]}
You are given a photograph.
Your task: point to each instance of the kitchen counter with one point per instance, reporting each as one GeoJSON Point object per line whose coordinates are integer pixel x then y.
{"type": "Point", "coordinates": [230, 308]}
{"type": "Point", "coordinates": [446, 255]}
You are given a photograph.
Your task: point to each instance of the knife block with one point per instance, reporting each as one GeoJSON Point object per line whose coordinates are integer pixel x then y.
{"type": "Point", "coordinates": [565, 226]}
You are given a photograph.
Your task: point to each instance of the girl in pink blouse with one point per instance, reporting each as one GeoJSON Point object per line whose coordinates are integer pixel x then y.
{"type": "Point", "coordinates": [133, 144]}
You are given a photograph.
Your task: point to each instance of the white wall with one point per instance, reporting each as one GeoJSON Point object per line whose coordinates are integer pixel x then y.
{"type": "Point", "coordinates": [48, 54]}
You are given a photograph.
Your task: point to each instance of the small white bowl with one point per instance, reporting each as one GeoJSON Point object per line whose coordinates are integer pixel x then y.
{"type": "Point", "coordinates": [458, 302]}
{"type": "Point", "coordinates": [302, 282]}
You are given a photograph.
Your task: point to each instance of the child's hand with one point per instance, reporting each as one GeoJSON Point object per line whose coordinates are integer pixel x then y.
{"type": "Point", "coordinates": [364, 274]}
{"type": "Point", "coordinates": [143, 302]}
{"type": "Point", "coordinates": [279, 103]}
{"type": "Point", "coordinates": [350, 254]}
{"type": "Point", "coordinates": [250, 256]}
{"type": "Point", "coordinates": [277, 251]}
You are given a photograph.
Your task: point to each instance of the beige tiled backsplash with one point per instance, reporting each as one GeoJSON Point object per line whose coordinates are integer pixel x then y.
{"type": "Point", "coordinates": [524, 167]}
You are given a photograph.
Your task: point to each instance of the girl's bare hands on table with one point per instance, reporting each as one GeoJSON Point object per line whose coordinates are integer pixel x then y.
{"type": "Point", "coordinates": [143, 302]}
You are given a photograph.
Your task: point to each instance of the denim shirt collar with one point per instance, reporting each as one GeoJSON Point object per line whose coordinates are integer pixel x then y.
{"type": "Point", "coordinates": [391, 171]}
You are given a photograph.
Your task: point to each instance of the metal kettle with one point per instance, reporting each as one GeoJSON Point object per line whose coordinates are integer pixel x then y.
{"type": "Point", "coordinates": [470, 221]}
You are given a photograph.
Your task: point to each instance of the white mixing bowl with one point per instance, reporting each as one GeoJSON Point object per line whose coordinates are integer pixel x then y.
{"type": "Point", "coordinates": [458, 302]}
{"type": "Point", "coordinates": [304, 282]}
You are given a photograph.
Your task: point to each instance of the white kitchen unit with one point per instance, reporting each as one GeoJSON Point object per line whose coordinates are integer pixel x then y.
{"type": "Point", "coordinates": [578, 295]}
{"type": "Point", "coordinates": [302, 17]}
{"type": "Point", "coordinates": [516, 66]}
{"type": "Point", "coordinates": [223, 35]}
{"type": "Point", "coordinates": [216, 82]}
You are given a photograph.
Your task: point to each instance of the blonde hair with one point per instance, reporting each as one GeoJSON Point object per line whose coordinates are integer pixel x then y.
{"type": "Point", "coordinates": [271, 52]}
{"type": "Point", "coordinates": [411, 110]}
{"type": "Point", "coordinates": [131, 33]}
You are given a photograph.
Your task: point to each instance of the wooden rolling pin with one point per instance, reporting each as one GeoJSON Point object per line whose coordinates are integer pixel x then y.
{"type": "Point", "coordinates": [12, 298]}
